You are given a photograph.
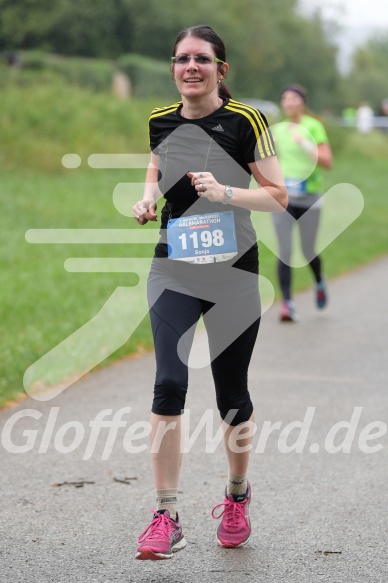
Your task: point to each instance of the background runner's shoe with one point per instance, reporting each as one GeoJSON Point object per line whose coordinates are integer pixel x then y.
{"type": "Point", "coordinates": [321, 293]}
{"type": "Point", "coordinates": [162, 537]}
{"type": "Point", "coordinates": [288, 312]}
{"type": "Point", "coordinates": [235, 528]}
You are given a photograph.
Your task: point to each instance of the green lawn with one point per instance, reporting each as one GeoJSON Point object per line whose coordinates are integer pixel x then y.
{"type": "Point", "coordinates": [42, 303]}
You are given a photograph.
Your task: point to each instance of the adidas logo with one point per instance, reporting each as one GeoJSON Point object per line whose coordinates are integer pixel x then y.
{"type": "Point", "coordinates": [218, 128]}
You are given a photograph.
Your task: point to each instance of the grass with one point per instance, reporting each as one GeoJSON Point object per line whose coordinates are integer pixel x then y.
{"type": "Point", "coordinates": [41, 303]}
{"type": "Point", "coordinates": [43, 119]}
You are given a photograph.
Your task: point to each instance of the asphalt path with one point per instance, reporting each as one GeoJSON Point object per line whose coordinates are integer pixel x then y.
{"type": "Point", "coordinates": [75, 496]}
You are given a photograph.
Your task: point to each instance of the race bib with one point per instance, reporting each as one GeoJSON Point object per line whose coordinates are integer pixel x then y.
{"type": "Point", "coordinates": [296, 187]}
{"type": "Point", "coordinates": [204, 238]}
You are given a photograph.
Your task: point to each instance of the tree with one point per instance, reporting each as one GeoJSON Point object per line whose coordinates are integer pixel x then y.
{"type": "Point", "coordinates": [269, 44]}
{"type": "Point", "coordinates": [26, 23]}
{"type": "Point", "coordinates": [92, 28]}
{"type": "Point", "coordinates": [368, 79]}
{"type": "Point", "coordinates": [69, 27]}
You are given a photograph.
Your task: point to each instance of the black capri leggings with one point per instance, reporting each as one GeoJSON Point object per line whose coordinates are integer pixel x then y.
{"type": "Point", "coordinates": [284, 223]}
{"type": "Point", "coordinates": [228, 299]}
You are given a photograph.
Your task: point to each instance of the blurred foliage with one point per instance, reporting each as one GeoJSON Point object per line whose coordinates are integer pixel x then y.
{"type": "Point", "coordinates": [94, 74]}
{"type": "Point", "coordinates": [338, 136]}
{"type": "Point", "coordinates": [148, 76]}
{"type": "Point", "coordinates": [90, 28]}
{"type": "Point", "coordinates": [368, 79]}
{"type": "Point", "coordinates": [44, 117]}
{"type": "Point", "coordinates": [269, 44]}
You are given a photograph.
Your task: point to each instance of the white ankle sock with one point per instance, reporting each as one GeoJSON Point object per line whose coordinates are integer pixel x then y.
{"type": "Point", "coordinates": [237, 484]}
{"type": "Point", "coordinates": [167, 500]}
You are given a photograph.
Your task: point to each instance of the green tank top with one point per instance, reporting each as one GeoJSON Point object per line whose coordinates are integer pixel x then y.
{"type": "Point", "coordinates": [297, 165]}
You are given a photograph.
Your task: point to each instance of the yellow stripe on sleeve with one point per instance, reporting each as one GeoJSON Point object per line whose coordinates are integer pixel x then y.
{"type": "Point", "coordinates": [264, 140]}
{"type": "Point", "coordinates": [159, 111]}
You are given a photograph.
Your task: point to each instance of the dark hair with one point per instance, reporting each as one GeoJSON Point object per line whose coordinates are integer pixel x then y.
{"type": "Point", "coordinates": [296, 88]}
{"type": "Point", "coordinates": [206, 33]}
{"type": "Point", "coordinates": [301, 91]}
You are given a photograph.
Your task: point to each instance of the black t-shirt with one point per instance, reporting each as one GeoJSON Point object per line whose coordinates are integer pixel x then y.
{"type": "Point", "coordinates": [222, 143]}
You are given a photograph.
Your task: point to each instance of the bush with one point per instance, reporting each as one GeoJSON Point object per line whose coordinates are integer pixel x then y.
{"type": "Point", "coordinates": [148, 77]}
{"type": "Point", "coordinates": [95, 74]}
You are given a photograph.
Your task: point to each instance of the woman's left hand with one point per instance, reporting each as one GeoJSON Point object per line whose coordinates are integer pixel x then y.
{"type": "Point", "coordinates": [207, 186]}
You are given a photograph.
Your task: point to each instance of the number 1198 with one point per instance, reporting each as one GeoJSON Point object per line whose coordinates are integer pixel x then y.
{"type": "Point", "coordinates": [206, 239]}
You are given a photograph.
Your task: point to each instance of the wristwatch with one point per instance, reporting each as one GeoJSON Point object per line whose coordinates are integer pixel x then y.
{"type": "Point", "coordinates": [228, 194]}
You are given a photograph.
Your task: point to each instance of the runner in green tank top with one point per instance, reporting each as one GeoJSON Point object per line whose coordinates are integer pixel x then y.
{"type": "Point", "coordinates": [303, 151]}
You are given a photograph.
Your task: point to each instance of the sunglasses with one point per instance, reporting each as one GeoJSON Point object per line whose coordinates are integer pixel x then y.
{"type": "Point", "coordinates": [199, 59]}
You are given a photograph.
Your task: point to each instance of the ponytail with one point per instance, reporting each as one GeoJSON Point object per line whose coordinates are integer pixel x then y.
{"type": "Point", "coordinates": [223, 91]}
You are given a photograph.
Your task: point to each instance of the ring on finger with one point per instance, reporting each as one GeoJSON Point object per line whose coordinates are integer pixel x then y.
{"type": "Point", "coordinates": [201, 187]}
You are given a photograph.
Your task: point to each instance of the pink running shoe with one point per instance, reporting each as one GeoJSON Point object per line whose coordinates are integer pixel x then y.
{"type": "Point", "coordinates": [235, 528]}
{"type": "Point", "coordinates": [162, 537]}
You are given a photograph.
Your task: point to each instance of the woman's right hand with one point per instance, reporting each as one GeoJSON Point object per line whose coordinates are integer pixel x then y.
{"type": "Point", "coordinates": [144, 211]}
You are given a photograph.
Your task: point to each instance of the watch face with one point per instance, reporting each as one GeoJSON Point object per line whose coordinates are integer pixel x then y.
{"type": "Point", "coordinates": [229, 192]}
